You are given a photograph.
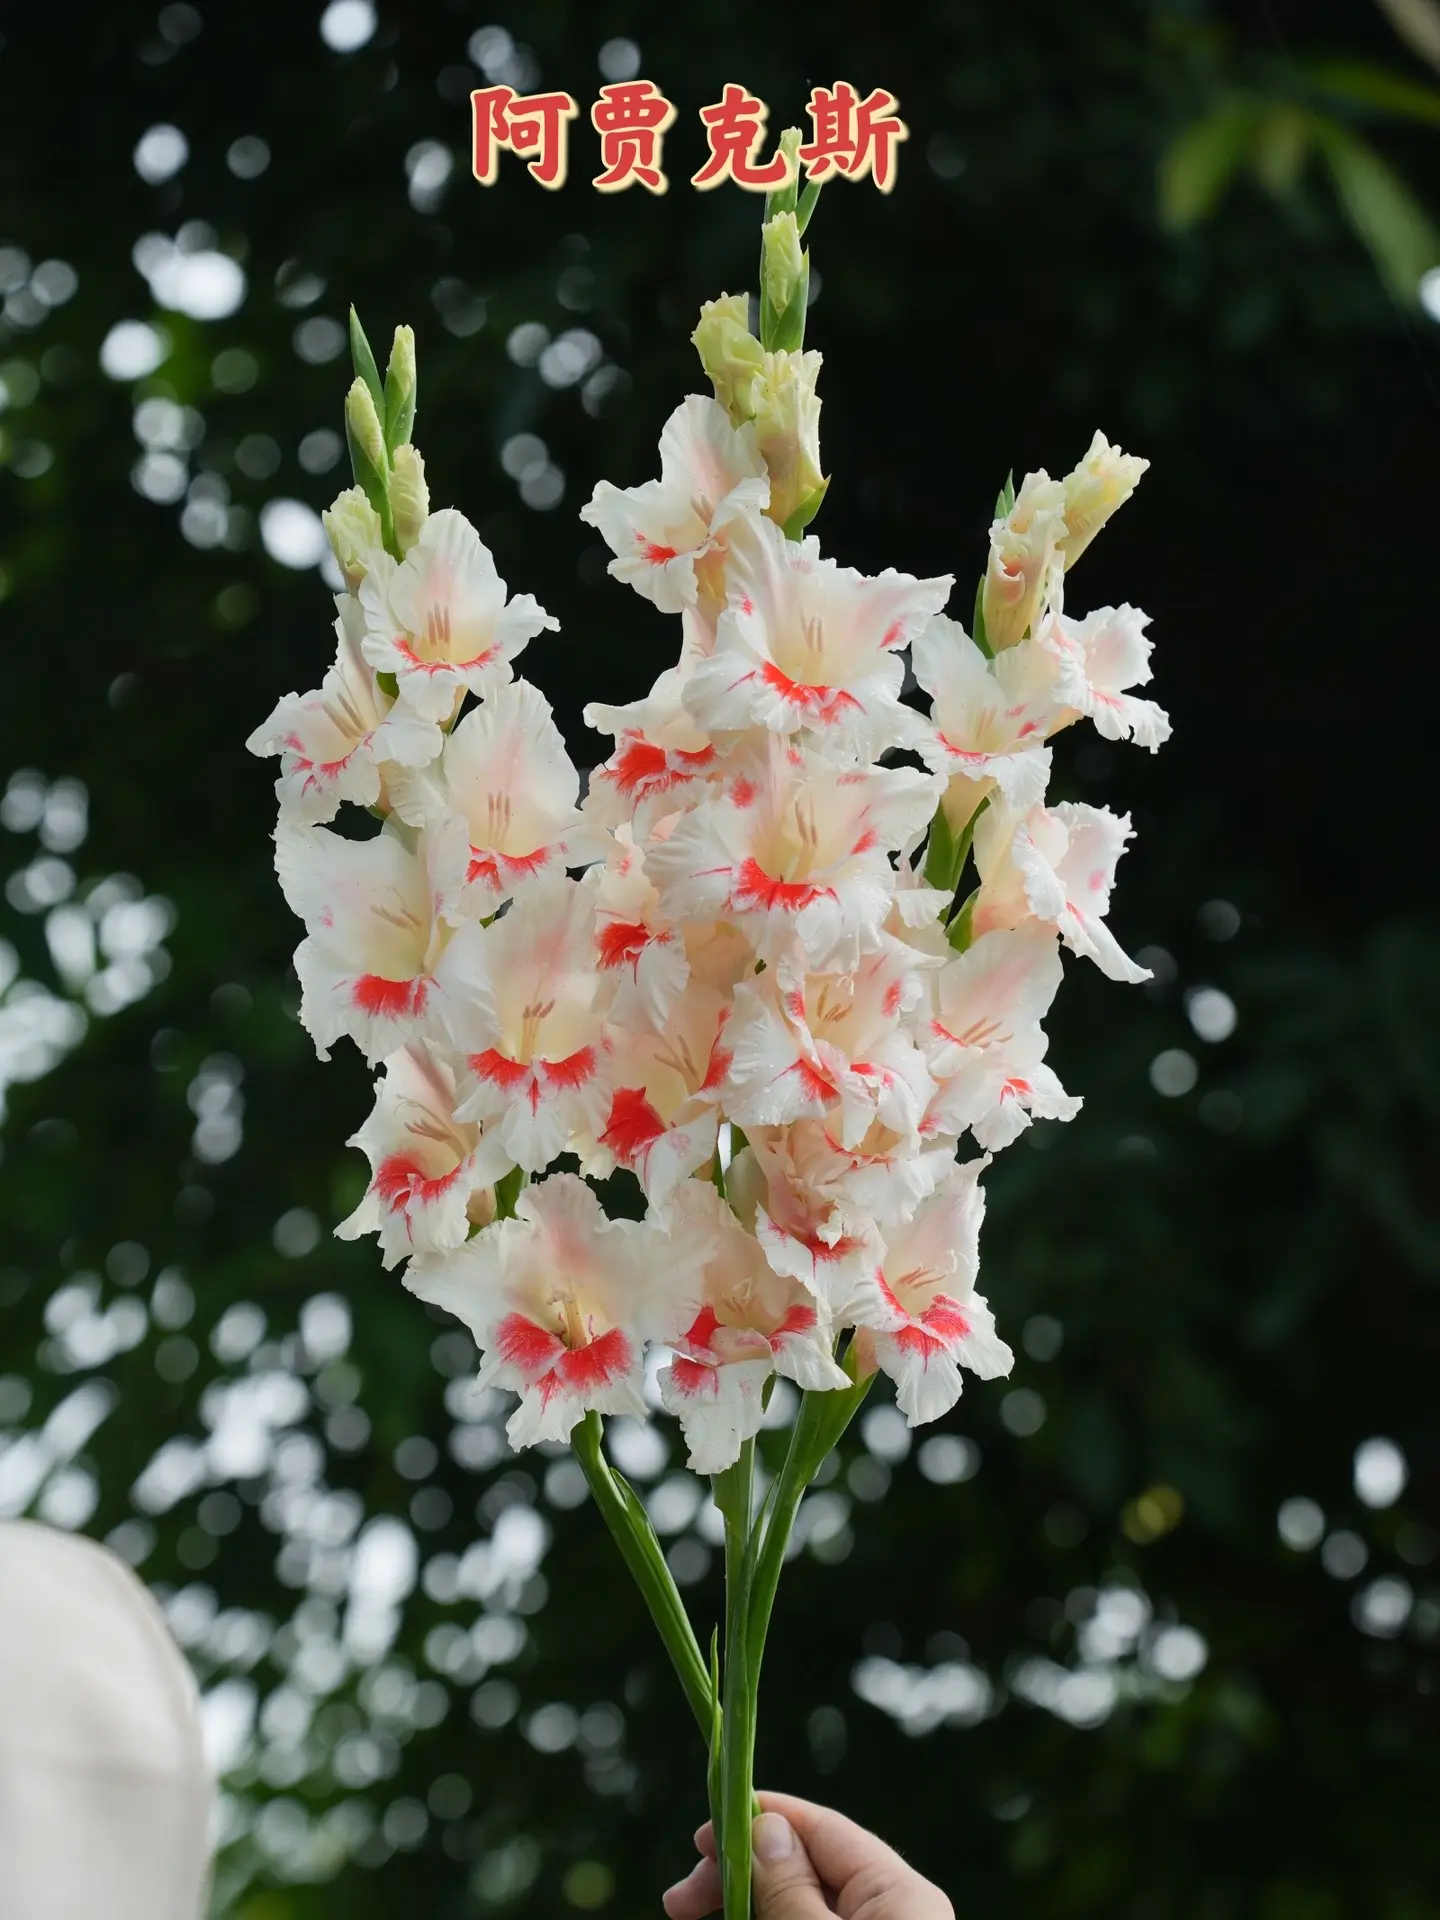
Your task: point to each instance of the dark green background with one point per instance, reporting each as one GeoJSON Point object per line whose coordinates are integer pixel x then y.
{"type": "Point", "coordinates": [1240, 1307]}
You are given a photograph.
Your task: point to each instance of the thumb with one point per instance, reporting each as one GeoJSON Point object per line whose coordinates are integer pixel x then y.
{"type": "Point", "coordinates": [786, 1887]}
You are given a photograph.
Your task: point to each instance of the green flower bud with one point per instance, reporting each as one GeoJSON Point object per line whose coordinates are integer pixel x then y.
{"type": "Point", "coordinates": [787, 432]}
{"type": "Point", "coordinates": [1024, 545]}
{"type": "Point", "coordinates": [409, 496]}
{"type": "Point", "coordinates": [400, 389]}
{"type": "Point", "coordinates": [730, 353]}
{"type": "Point", "coordinates": [784, 284]}
{"type": "Point", "coordinates": [352, 527]}
{"type": "Point", "coordinates": [367, 441]}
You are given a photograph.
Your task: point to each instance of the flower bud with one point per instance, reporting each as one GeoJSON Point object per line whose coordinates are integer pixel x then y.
{"type": "Point", "coordinates": [352, 527]}
{"type": "Point", "coordinates": [400, 389]}
{"type": "Point", "coordinates": [730, 353]}
{"type": "Point", "coordinates": [409, 496]}
{"type": "Point", "coordinates": [784, 284]}
{"type": "Point", "coordinates": [1023, 549]}
{"type": "Point", "coordinates": [367, 442]}
{"type": "Point", "coordinates": [1103, 481]}
{"type": "Point", "coordinates": [787, 432]}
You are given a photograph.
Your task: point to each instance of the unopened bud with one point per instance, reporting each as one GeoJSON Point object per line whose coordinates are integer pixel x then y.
{"type": "Point", "coordinates": [400, 389]}
{"type": "Point", "coordinates": [784, 284]}
{"type": "Point", "coordinates": [352, 527]}
{"type": "Point", "coordinates": [787, 432]}
{"type": "Point", "coordinates": [1103, 482]}
{"type": "Point", "coordinates": [367, 441]}
{"type": "Point", "coordinates": [1023, 549]}
{"type": "Point", "coordinates": [409, 496]}
{"type": "Point", "coordinates": [730, 353]}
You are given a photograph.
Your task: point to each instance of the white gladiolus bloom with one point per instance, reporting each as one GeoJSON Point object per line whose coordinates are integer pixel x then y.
{"type": "Point", "coordinates": [710, 476]}
{"type": "Point", "coordinates": [804, 644]}
{"type": "Point", "coordinates": [431, 1175]}
{"type": "Point", "coordinates": [1055, 865]}
{"type": "Point", "coordinates": [989, 718]}
{"type": "Point", "coordinates": [562, 1303]}
{"type": "Point", "coordinates": [337, 743]}
{"type": "Point", "coordinates": [663, 1102]}
{"type": "Point", "coordinates": [1096, 660]}
{"type": "Point", "coordinates": [378, 960]}
{"type": "Point", "coordinates": [504, 770]}
{"type": "Point", "coordinates": [663, 762]}
{"type": "Point", "coordinates": [527, 1021]}
{"type": "Point", "coordinates": [804, 1043]}
{"type": "Point", "coordinates": [798, 852]}
{"type": "Point", "coordinates": [985, 1045]}
{"type": "Point", "coordinates": [919, 1317]}
{"type": "Point", "coordinates": [634, 942]}
{"type": "Point", "coordinates": [805, 1233]}
{"type": "Point", "coordinates": [751, 1323]}
{"type": "Point", "coordinates": [439, 619]}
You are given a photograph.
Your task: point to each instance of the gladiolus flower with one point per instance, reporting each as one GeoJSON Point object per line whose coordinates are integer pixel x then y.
{"type": "Point", "coordinates": [1101, 484]}
{"type": "Point", "coordinates": [335, 744]}
{"type": "Point", "coordinates": [710, 475]}
{"type": "Point", "coordinates": [505, 772]}
{"type": "Point", "coordinates": [431, 1175]}
{"type": "Point", "coordinates": [439, 619]}
{"type": "Point", "coordinates": [1023, 556]}
{"type": "Point", "coordinates": [562, 1302]}
{"type": "Point", "coordinates": [535, 1058]}
{"type": "Point", "coordinates": [919, 1317]}
{"type": "Point", "coordinates": [751, 1323]}
{"type": "Point", "coordinates": [806, 645]}
{"type": "Point", "coordinates": [1055, 865]}
{"type": "Point", "coordinates": [989, 718]}
{"type": "Point", "coordinates": [804, 1043]}
{"type": "Point", "coordinates": [1096, 659]}
{"type": "Point", "coordinates": [378, 961]}
{"type": "Point", "coordinates": [799, 852]}
{"type": "Point", "coordinates": [985, 1045]}
{"type": "Point", "coordinates": [664, 1093]}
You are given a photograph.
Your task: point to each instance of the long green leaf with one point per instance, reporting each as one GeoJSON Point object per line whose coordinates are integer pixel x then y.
{"type": "Point", "coordinates": [1402, 239]}
{"type": "Point", "coordinates": [1202, 161]}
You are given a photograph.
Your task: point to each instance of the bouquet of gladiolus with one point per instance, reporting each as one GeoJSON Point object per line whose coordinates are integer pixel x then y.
{"type": "Point", "coordinates": [747, 971]}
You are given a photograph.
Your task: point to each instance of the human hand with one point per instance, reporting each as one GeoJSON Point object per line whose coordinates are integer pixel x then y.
{"type": "Point", "coordinates": [811, 1863]}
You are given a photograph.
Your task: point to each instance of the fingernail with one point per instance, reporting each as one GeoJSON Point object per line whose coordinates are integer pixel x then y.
{"type": "Point", "coordinates": [773, 1838]}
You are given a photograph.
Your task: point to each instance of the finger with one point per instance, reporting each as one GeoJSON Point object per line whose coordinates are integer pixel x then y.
{"type": "Point", "coordinates": [785, 1884]}
{"type": "Point", "coordinates": [696, 1895]}
{"type": "Point", "coordinates": [705, 1839]}
{"type": "Point", "coordinates": [853, 1862]}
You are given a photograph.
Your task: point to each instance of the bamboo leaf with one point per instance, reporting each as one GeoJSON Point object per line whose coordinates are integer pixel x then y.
{"type": "Point", "coordinates": [1399, 234]}
{"type": "Point", "coordinates": [1371, 86]}
{"type": "Point", "coordinates": [1200, 164]}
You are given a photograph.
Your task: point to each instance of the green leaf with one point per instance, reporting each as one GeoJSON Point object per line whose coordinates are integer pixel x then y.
{"type": "Point", "coordinates": [1201, 163]}
{"type": "Point", "coordinates": [1005, 499]}
{"type": "Point", "coordinates": [365, 366]}
{"type": "Point", "coordinates": [1282, 139]}
{"type": "Point", "coordinates": [1399, 234]}
{"type": "Point", "coordinates": [942, 854]}
{"type": "Point", "coordinates": [1370, 86]}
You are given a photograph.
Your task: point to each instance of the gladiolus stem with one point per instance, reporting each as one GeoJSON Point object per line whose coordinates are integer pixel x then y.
{"type": "Point", "coordinates": [630, 1527]}
{"type": "Point", "coordinates": [733, 1816]}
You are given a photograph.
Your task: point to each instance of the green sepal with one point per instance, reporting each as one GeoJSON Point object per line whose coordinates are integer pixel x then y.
{"type": "Point", "coordinates": [388, 683]}
{"type": "Point", "coordinates": [805, 205]}
{"type": "Point", "coordinates": [1005, 499]}
{"type": "Point", "coordinates": [782, 199]}
{"type": "Point", "coordinates": [977, 624]}
{"type": "Point", "coordinates": [785, 332]}
{"type": "Point", "coordinates": [806, 511]}
{"type": "Point", "coordinates": [365, 367]}
{"type": "Point", "coordinates": [508, 1189]}
{"type": "Point", "coordinates": [961, 929]}
{"type": "Point", "coordinates": [943, 855]}
{"type": "Point", "coordinates": [399, 410]}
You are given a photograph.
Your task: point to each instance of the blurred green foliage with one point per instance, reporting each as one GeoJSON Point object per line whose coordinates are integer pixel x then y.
{"type": "Point", "coordinates": [1090, 1677]}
